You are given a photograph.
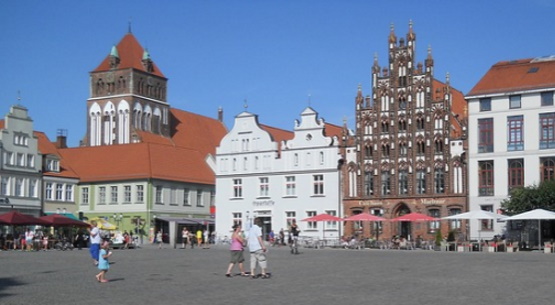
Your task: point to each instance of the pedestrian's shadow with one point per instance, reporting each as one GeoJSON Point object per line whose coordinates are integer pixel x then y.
{"type": "Point", "coordinates": [117, 279]}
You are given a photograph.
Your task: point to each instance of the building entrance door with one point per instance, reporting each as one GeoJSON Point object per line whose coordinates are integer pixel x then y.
{"type": "Point", "coordinates": [266, 226]}
{"type": "Point", "coordinates": [405, 229]}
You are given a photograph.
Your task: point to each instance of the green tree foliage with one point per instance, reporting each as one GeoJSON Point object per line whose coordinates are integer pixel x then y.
{"type": "Point", "coordinates": [531, 197]}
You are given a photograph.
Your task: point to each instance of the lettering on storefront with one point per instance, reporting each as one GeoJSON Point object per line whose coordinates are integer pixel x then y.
{"type": "Point", "coordinates": [263, 203]}
{"type": "Point", "coordinates": [432, 201]}
{"type": "Point", "coordinates": [372, 203]}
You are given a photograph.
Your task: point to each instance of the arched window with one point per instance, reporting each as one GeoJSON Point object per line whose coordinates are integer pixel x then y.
{"type": "Point", "coordinates": [385, 150]}
{"type": "Point", "coordinates": [438, 146]}
{"type": "Point", "coordinates": [385, 127]}
{"type": "Point", "coordinates": [548, 169]}
{"type": "Point", "coordinates": [420, 148]}
{"type": "Point", "coordinates": [439, 181]}
{"type": "Point", "coordinates": [368, 151]}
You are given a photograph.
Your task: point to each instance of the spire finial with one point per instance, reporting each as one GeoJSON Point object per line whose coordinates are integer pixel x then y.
{"type": "Point", "coordinates": [18, 96]}
{"type": "Point", "coordinates": [392, 27]}
{"type": "Point", "coordinates": [245, 105]}
{"type": "Point", "coordinates": [448, 78]}
{"type": "Point", "coordinates": [129, 26]}
{"type": "Point", "coordinates": [410, 24]}
{"type": "Point", "coordinates": [309, 99]}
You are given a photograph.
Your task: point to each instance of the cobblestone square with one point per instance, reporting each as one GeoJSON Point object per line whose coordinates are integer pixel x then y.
{"type": "Point", "coordinates": [316, 276]}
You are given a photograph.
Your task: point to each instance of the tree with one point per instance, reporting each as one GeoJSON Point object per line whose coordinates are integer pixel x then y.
{"type": "Point", "coordinates": [531, 197]}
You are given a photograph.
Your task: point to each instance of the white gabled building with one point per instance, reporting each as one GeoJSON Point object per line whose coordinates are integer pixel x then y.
{"type": "Point", "coordinates": [511, 134]}
{"type": "Point", "coordinates": [278, 175]}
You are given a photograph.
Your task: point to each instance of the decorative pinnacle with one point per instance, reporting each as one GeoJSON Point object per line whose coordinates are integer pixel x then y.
{"type": "Point", "coordinates": [245, 104]}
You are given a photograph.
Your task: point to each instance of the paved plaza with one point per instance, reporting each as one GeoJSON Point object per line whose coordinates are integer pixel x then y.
{"type": "Point", "coordinates": [316, 276]}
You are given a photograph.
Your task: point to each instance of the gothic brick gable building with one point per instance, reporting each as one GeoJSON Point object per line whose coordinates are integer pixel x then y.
{"type": "Point", "coordinates": [408, 153]}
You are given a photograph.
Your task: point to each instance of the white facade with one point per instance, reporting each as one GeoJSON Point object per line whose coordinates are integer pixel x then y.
{"type": "Point", "coordinates": [516, 133]}
{"type": "Point", "coordinates": [279, 182]}
{"type": "Point", "coordinates": [20, 164]}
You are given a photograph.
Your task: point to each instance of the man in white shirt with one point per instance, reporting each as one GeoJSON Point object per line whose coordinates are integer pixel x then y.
{"type": "Point", "coordinates": [257, 250]}
{"type": "Point", "coordinates": [94, 233]}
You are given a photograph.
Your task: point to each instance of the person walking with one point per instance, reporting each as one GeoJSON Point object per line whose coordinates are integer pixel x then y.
{"type": "Point", "coordinates": [257, 250]}
{"type": "Point", "coordinates": [103, 264]}
{"type": "Point", "coordinates": [199, 237]}
{"type": "Point", "coordinates": [281, 237]}
{"type": "Point", "coordinates": [29, 239]}
{"type": "Point", "coordinates": [184, 237]}
{"type": "Point", "coordinates": [94, 234]}
{"type": "Point", "coordinates": [236, 249]}
{"type": "Point", "coordinates": [294, 231]}
{"type": "Point", "coordinates": [206, 235]}
{"type": "Point", "coordinates": [159, 239]}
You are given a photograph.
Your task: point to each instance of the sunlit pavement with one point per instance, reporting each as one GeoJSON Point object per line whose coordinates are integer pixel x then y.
{"type": "Point", "coordinates": [316, 276]}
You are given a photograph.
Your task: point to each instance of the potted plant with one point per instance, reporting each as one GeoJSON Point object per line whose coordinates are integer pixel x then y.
{"type": "Point", "coordinates": [438, 240]}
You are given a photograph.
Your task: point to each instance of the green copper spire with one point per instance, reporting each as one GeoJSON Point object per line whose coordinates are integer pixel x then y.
{"type": "Point", "coordinates": [146, 55]}
{"type": "Point", "coordinates": [114, 52]}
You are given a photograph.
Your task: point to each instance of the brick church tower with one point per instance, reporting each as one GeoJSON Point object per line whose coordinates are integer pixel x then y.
{"type": "Point", "coordinates": [127, 97]}
{"type": "Point", "coordinates": [410, 148]}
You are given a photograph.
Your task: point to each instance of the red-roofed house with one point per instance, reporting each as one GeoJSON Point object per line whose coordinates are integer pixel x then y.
{"type": "Point", "coordinates": [511, 134]}
{"type": "Point", "coordinates": [142, 162]}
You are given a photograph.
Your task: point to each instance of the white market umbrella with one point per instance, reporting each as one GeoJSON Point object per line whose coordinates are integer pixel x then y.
{"type": "Point", "coordinates": [476, 215]}
{"type": "Point", "coordinates": [537, 214]}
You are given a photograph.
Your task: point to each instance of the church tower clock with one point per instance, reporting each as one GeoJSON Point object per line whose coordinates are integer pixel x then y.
{"type": "Point", "coordinates": [127, 97]}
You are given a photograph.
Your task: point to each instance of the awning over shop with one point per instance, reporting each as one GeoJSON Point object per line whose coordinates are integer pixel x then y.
{"type": "Point", "coordinates": [188, 221]}
{"type": "Point", "coordinates": [68, 215]}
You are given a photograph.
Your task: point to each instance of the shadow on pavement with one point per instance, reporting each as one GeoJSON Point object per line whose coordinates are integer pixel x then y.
{"type": "Point", "coordinates": [5, 283]}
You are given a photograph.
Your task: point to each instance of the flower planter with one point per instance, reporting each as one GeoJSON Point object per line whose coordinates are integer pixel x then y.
{"type": "Point", "coordinates": [547, 250]}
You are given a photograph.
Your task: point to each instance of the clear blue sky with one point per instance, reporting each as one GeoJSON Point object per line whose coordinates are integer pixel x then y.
{"type": "Point", "coordinates": [272, 53]}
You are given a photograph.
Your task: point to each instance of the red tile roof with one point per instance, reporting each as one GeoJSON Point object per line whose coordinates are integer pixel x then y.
{"type": "Point", "coordinates": [131, 55]}
{"type": "Point", "coordinates": [278, 134]}
{"type": "Point", "coordinates": [138, 161]}
{"type": "Point", "coordinates": [331, 130]}
{"type": "Point", "coordinates": [516, 75]}
{"type": "Point", "coordinates": [458, 107]}
{"type": "Point", "coordinates": [196, 131]}
{"type": "Point", "coordinates": [46, 147]}
{"type": "Point", "coordinates": [179, 158]}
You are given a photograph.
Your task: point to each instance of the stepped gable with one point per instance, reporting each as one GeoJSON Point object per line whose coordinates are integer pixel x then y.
{"type": "Point", "coordinates": [138, 161]}
{"type": "Point", "coordinates": [517, 75]}
{"type": "Point", "coordinates": [130, 54]}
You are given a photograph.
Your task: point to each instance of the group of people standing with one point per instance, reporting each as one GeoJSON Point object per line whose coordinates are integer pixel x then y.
{"type": "Point", "coordinates": [257, 249]}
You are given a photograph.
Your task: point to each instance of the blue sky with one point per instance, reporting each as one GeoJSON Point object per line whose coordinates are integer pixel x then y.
{"type": "Point", "coordinates": [275, 54]}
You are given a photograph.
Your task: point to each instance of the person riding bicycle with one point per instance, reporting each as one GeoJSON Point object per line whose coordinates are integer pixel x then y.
{"type": "Point", "coordinates": [294, 230]}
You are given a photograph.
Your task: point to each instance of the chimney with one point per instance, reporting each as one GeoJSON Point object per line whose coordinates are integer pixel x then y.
{"type": "Point", "coordinates": [220, 114]}
{"type": "Point", "coordinates": [61, 138]}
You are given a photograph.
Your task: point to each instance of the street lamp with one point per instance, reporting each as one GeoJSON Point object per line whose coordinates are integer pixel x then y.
{"type": "Point", "coordinates": [118, 219]}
